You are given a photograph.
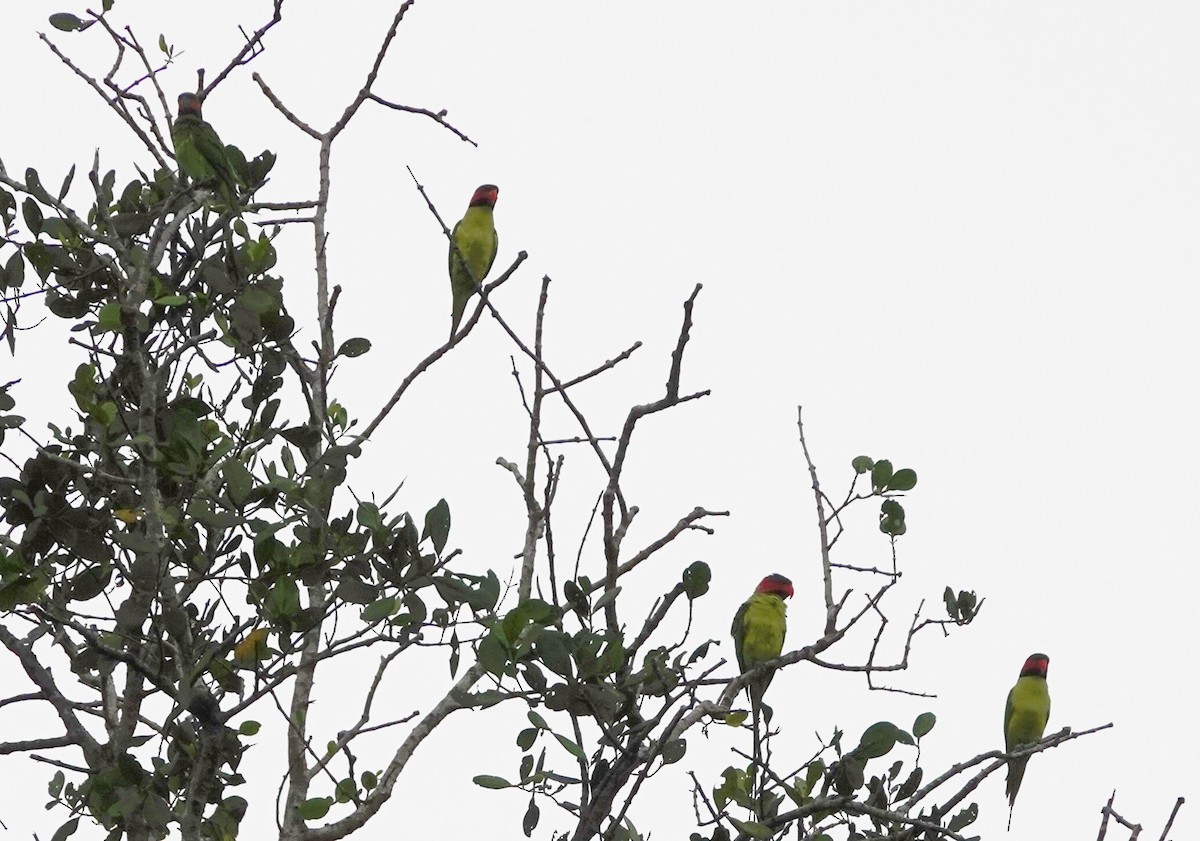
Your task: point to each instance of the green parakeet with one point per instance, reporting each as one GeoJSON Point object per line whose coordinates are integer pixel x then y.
{"type": "Point", "coordinates": [200, 152]}
{"type": "Point", "coordinates": [759, 629]}
{"type": "Point", "coordinates": [1025, 717]}
{"type": "Point", "coordinates": [472, 250]}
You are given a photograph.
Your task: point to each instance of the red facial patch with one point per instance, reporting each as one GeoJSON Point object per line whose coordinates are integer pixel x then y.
{"type": "Point", "coordinates": [189, 103]}
{"type": "Point", "coordinates": [485, 195]}
{"type": "Point", "coordinates": [1036, 664]}
{"type": "Point", "coordinates": [776, 584]}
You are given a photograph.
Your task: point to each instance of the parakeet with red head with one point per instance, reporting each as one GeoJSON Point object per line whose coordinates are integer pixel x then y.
{"type": "Point", "coordinates": [473, 248]}
{"type": "Point", "coordinates": [1025, 717]}
{"type": "Point", "coordinates": [200, 152]}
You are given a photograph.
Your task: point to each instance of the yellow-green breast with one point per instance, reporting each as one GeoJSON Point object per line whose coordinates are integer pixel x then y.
{"type": "Point", "coordinates": [764, 623]}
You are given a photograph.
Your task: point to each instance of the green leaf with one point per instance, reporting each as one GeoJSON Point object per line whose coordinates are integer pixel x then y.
{"type": "Point", "coordinates": [881, 474]}
{"type": "Point", "coordinates": [284, 599]}
{"type": "Point", "coordinates": [537, 721]}
{"type": "Point", "coordinates": [533, 677]}
{"type": "Point", "coordinates": [66, 185]}
{"type": "Point", "coordinates": [484, 597]}
{"type": "Point", "coordinates": [315, 808]}
{"type": "Point", "coordinates": [923, 724]}
{"type": "Point", "coordinates": [258, 301]}
{"type": "Point", "coordinates": [964, 817]}
{"type": "Point", "coordinates": [104, 413]}
{"type": "Point", "coordinates": [951, 602]}
{"type": "Point", "coordinates": [489, 781]}
{"type": "Point", "coordinates": [249, 728]}
{"type": "Point", "coordinates": [798, 796]}
{"type": "Point", "coordinates": [302, 436]}
{"type": "Point", "coordinates": [345, 790]}
{"type": "Point", "coordinates": [903, 480]}
{"type": "Point", "coordinates": [530, 821]}
{"type": "Point", "coordinates": [572, 748]}
{"type": "Point", "coordinates": [753, 828]}
{"type": "Point", "coordinates": [437, 525]}
{"type": "Point", "coordinates": [553, 647]}
{"type": "Point", "coordinates": [369, 780]}
{"type": "Point", "coordinates": [67, 22]}
{"type": "Point", "coordinates": [493, 654]}
{"type": "Point", "coordinates": [527, 737]}
{"type": "Point", "coordinates": [66, 830]}
{"type": "Point", "coordinates": [368, 516]}
{"type": "Point", "coordinates": [354, 347]}
{"type": "Point", "coordinates": [610, 596]}
{"type": "Point", "coordinates": [238, 481]}
{"type": "Point", "coordinates": [877, 740]}
{"type": "Point", "coordinates": [813, 773]}
{"type": "Point", "coordinates": [891, 518]}
{"type": "Point", "coordinates": [696, 579]}
{"type": "Point", "coordinates": [15, 269]}
{"type": "Point", "coordinates": [673, 751]}
{"type": "Point", "coordinates": [909, 787]}
{"type": "Point", "coordinates": [91, 582]}
{"type": "Point", "coordinates": [848, 774]}
{"type": "Point", "coordinates": [967, 605]}
{"type": "Point", "coordinates": [34, 184]}
{"type": "Point", "coordinates": [735, 786]}
{"type": "Point", "coordinates": [736, 719]}
{"type": "Point", "coordinates": [171, 300]}
{"type": "Point", "coordinates": [613, 657]}
{"type": "Point", "coordinates": [110, 318]}
{"type": "Point", "coordinates": [380, 609]}
{"type": "Point", "coordinates": [862, 464]}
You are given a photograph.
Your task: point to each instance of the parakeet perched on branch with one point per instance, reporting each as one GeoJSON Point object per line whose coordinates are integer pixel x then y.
{"type": "Point", "coordinates": [1025, 717]}
{"type": "Point", "coordinates": [759, 629]}
{"type": "Point", "coordinates": [472, 250]}
{"type": "Point", "coordinates": [200, 152]}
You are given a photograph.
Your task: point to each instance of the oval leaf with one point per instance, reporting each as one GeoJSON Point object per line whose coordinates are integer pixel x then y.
{"type": "Point", "coordinates": [380, 609]}
{"type": "Point", "coordinates": [695, 580]}
{"type": "Point", "coordinates": [903, 480]}
{"type": "Point", "coordinates": [354, 347]}
{"type": "Point", "coordinates": [673, 751]}
{"type": "Point", "coordinates": [437, 525]}
{"type": "Point", "coordinates": [488, 781]}
{"type": "Point", "coordinates": [526, 738]}
{"type": "Point", "coordinates": [924, 724]}
{"type": "Point", "coordinates": [530, 821]}
{"type": "Point", "coordinates": [572, 748]}
{"type": "Point", "coordinates": [951, 602]}
{"type": "Point", "coordinates": [881, 474]}
{"type": "Point", "coordinates": [862, 464]}
{"type": "Point", "coordinates": [67, 22]}
{"type": "Point", "coordinates": [315, 808]}
{"type": "Point", "coordinates": [877, 740]}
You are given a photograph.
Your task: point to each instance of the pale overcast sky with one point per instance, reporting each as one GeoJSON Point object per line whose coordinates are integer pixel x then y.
{"type": "Point", "coordinates": [963, 235]}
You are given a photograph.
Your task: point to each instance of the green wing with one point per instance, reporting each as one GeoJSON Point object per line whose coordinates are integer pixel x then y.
{"type": "Point", "coordinates": [491, 257]}
{"type": "Point", "coordinates": [191, 160]}
{"type": "Point", "coordinates": [473, 249]}
{"type": "Point", "coordinates": [1008, 714]}
{"type": "Point", "coordinates": [739, 634]}
{"type": "Point", "coordinates": [202, 156]}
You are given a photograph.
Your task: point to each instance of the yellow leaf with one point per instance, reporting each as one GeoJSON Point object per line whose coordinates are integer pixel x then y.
{"type": "Point", "coordinates": [253, 647]}
{"type": "Point", "coordinates": [129, 516]}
